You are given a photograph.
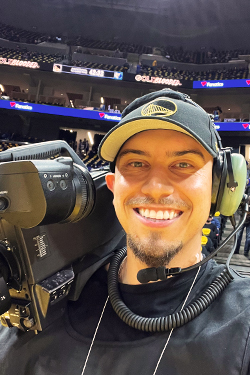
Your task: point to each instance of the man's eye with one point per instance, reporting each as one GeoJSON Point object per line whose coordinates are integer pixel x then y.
{"type": "Point", "coordinates": [183, 165]}
{"type": "Point", "coordinates": [137, 164]}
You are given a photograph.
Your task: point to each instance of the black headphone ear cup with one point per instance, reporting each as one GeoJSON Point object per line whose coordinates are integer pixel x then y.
{"type": "Point", "coordinates": [218, 181]}
{"type": "Point", "coordinates": [232, 197]}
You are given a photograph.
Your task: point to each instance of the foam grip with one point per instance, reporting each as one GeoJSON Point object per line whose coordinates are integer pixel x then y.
{"type": "Point", "coordinates": [231, 199]}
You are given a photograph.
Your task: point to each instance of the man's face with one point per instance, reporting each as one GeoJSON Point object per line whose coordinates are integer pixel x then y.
{"type": "Point", "coordinates": [162, 194]}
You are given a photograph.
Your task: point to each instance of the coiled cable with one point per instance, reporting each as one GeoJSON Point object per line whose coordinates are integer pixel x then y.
{"type": "Point", "coordinates": [161, 324]}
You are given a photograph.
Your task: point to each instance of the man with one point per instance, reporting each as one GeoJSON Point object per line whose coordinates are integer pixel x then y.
{"type": "Point", "coordinates": [211, 230]}
{"type": "Point", "coordinates": [246, 226]}
{"type": "Point", "coordinates": [161, 155]}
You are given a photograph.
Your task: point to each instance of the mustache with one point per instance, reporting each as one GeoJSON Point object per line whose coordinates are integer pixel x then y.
{"type": "Point", "coordinates": [167, 201]}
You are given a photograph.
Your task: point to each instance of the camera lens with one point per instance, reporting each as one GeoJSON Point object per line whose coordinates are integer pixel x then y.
{"type": "Point", "coordinates": [4, 203]}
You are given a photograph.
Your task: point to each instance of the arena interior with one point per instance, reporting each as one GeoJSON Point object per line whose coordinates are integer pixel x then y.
{"type": "Point", "coordinates": [69, 68]}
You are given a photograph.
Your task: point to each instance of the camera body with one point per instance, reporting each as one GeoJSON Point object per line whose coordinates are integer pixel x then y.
{"type": "Point", "coordinates": [57, 226]}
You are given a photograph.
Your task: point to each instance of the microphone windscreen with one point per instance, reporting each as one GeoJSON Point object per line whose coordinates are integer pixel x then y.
{"type": "Point", "coordinates": [146, 275]}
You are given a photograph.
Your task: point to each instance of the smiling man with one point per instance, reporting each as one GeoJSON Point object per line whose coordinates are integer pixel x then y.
{"type": "Point", "coordinates": [162, 180]}
{"type": "Point", "coordinates": [162, 155]}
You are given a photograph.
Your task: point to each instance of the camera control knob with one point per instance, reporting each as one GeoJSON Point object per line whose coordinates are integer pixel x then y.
{"type": "Point", "coordinates": [63, 184]}
{"type": "Point", "coordinates": [51, 185]}
{"type": "Point", "coordinates": [4, 203]}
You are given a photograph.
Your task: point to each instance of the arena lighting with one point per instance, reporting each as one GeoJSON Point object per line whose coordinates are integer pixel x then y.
{"type": "Point", "coordinates": [90, 138]}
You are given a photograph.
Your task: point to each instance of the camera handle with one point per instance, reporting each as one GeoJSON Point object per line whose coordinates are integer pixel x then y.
{"type": "Point", "coordinates": [43, 150]}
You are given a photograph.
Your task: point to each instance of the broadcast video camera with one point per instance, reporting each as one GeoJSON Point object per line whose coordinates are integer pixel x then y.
{"type": "Point", "coordinates": [57, 226]}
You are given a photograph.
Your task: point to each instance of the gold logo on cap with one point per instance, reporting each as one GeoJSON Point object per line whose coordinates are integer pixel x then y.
{"type": "Point", "coordinates": [159, 107]}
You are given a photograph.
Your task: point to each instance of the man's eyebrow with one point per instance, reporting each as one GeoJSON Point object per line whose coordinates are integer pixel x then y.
{"type": "Point", "coordinates": [185, 152]}
{"type": "Point", "coordinates": [176, 153]}
{"type": "Point", "coordinates": [133, 151]}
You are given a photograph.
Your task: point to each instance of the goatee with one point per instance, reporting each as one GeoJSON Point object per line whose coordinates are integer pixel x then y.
{"type": "Point", "coordinates": [153, 252]}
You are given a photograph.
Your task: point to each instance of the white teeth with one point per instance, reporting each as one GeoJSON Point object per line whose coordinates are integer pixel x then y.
{"type": "Point", "coordinates": [171, 215]}
{"type": "Point", "coordinates": [159, 215]}
{"type": "Point", "coordinates": [152, 214]}
{"type": "Point", "coordinates": [142, 212]}
{"type": "Point", "coordinates": [166, 215]}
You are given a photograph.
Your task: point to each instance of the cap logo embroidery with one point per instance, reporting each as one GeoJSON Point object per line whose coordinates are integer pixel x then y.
{"type": "Point", "coordinates": [159, 108]}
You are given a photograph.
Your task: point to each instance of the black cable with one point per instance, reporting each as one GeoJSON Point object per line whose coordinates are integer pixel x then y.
{"type": "Point", "coordinates": [161, 324]}
{"type": "Point", "coordinates": [242, 221]}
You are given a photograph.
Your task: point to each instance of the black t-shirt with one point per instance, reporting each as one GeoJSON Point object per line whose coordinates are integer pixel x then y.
{"type": "Point", "coordinates": [216, 342]}
{"type": "Point", "coordinates": [150, 300]}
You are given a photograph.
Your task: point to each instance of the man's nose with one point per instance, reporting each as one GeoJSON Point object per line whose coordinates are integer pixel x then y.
{"type": "Point", "coordinates": [158, 184]}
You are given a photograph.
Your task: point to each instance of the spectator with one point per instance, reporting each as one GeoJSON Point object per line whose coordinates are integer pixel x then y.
{"type": "Point", "coordinates": [154, 65]}
{"type": "Point", "coordinates": [239, 235]}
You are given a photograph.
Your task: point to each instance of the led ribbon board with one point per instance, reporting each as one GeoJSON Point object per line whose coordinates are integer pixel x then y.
{"type": "Point", "coordinates": [221, 84]}
{"type": "Point", "coordinates": [99, 73]}
{"type": "Point", "coordinates": [232, 126]}
{"type": "Point", "coordinates": [61, 111]}
{"type": "Point", "coordinates": [22, 63]}
{"type": "Point", "coordinates": [98, 115]}
{"type": "Point", "coordinates": [158, 80]}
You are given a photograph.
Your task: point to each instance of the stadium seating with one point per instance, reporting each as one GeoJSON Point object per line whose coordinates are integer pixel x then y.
{"type": "Point", "coordinates": [24, 55]}
{"type": "Point", "coordinates": [92, 65]}
{"type": "Point", "coordinates": [19, 35]}
{"type": "Point", "coordinates": [220, 74]}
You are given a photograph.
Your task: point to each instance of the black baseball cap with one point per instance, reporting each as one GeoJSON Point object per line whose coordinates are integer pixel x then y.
{"type": "Point", "coordinates": [164, 109]}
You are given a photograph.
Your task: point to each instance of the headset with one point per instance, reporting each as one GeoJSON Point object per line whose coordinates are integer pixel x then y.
{"type": "Point", "coordinates": [228, 182]}
{"type": "Point", "coordinates": [229, 175]}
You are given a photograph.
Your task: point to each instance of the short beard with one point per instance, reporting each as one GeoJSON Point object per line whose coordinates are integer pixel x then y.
{"type": "Point", "coordinates": [152, 255]}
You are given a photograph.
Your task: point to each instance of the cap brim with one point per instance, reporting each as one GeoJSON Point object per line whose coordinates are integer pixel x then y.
{"type": "Point", "coordinates": [113, 141]}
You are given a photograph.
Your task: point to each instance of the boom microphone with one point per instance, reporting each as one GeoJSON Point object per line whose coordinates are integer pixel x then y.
{"type": "Point", "coordinates": [154, 274]}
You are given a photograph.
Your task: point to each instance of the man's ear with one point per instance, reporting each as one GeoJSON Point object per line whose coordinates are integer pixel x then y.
{"type": "Point", "coordinates": [110, 181]}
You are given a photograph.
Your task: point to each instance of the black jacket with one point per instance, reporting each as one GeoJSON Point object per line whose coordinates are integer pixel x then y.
{"type": "Point", "coordinates": [216, 342]}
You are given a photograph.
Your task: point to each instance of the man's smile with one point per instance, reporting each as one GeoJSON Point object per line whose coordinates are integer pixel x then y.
{"type": "Point", "coordinates": [167, 214]}
{"type": "Point", "coordinates": [157, 218]}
